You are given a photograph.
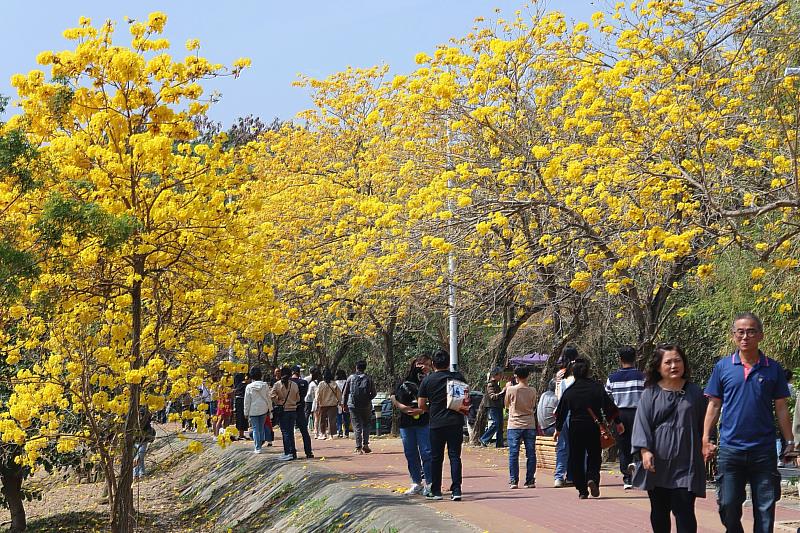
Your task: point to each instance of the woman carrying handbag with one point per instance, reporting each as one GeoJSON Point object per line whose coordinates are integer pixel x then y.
{"type": "Point", "coordinates": [583, 402]}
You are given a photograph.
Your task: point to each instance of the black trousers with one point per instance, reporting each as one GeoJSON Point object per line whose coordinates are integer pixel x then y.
{"type": "Point", "coordinates": [678, 501]}
{"type": "Point", "coordinates": [584, 454]}
{"type": "Point", "coordinates": [453, 438]}
{"type": "Point", "coordinates": [302, 425]}
{"type": "Point", "coordinates": [626, 416]}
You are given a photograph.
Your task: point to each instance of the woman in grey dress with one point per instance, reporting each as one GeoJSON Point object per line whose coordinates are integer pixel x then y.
{"type": "Point", "coordinates": [667, 431]}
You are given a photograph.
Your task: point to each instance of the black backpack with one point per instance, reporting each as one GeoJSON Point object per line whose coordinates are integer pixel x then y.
{"type": "Point", "coordinates": [360, 392]}
{"type": "Point", "coordinates": [302, 386]}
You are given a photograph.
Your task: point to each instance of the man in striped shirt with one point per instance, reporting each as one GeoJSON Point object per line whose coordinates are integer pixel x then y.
{"type": "Point", "coordinates": [625, 386]}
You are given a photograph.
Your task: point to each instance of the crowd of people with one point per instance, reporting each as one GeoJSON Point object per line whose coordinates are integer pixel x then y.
{"type": "Point", "coordinates": [666, 428]}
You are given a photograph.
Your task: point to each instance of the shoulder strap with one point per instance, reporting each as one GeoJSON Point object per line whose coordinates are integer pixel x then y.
{"type": "Point", "coordinates": [288, 392]}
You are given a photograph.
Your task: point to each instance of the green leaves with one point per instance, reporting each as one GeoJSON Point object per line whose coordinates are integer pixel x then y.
{"type": "Point", "coordinates": [16, 154]}
{"type": "Point", "coordinates": [85, 220]}
{"type": "Point", "coordinates": [15, 265]}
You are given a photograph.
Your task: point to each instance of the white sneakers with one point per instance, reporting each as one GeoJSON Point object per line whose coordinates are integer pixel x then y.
{"type": "Point", "coordinates": [256, 451]}
{"type": "Point", "coordinates": [416, 488]}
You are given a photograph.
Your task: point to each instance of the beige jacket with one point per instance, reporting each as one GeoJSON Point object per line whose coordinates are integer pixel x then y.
{"type": "Point", "coordinates": [280, 394]}
{"type": "Point", "coordinates": [328, 394]}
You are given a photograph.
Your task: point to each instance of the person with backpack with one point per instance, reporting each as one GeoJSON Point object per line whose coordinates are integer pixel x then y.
{"type": "Point", "coordinates": [414, 430]}
{"type": "Point", "coordinates": [302, 418]}
{"type": "Point", "coordinates": [446, 425]}
{"type": "Point", "coordinates": [359, 390]}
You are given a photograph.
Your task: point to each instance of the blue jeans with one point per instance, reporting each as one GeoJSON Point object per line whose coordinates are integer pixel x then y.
{"type": "Point", "coordinates": [287, 423]}
{"type": "Point", "coordinates": [417, 447]}
{"type": "Point", "coordinates": [343, 423]}
{"type": "Point", "coordinates": [528, 436]}
{"type": "Point", "coordinates": [495, 426]}
{"type": "Point", "coordinates": [562, 453]}
{"type": "Point", "coordinates": [141, 450]}
{"type": "Point", "coordinates": [735, 470]}
{"type": "Point", "coordinates": [257, 423]}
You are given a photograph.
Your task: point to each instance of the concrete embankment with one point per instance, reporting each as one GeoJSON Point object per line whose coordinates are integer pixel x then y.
{"type": "Point", "coordinates": [240, 491]}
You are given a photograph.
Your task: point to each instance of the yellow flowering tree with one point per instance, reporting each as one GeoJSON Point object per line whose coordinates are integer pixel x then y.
{"type": "Point", "coordinates": [142, 219]}
{"type": "Point", "coordinates": [19, 257]}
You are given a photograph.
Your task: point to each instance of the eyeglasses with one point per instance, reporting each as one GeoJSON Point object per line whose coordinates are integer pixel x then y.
{"type": "Point", "coordinates": [743, 333]}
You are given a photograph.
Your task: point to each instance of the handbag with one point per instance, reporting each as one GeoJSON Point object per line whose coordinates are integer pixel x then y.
{"type": "Point", "coordinates": [607, 440]}
{"type": "Point", "coordinates": [457, 394]}
{"type": "Point", "coordinates": [277, 410]}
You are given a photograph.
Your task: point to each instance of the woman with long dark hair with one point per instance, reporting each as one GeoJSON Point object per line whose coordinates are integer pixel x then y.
{"type": "Point", "coordinates": [239, 385]}
{"type": "Point", "coordinates": [312, 411]}
{"type": "Point", "coordinates": [585, 401]}
{"type": "Point", "coordinates": [327, 399]}
{"type": "Point", "coordinates": [413, 424]}
{"type": "Point", "coordinates": [668, 431]}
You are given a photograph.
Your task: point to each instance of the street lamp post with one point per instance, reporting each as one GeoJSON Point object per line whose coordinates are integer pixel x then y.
{"type": "Point", "coordinates": [451, 272]}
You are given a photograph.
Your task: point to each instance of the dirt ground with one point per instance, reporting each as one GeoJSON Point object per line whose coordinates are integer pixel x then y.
{"type": "Point", "coordinates": [67, 506]}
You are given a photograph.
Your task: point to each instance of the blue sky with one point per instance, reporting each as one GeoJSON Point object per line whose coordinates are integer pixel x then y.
{"type": "Point", "coordinates": [283, 39]}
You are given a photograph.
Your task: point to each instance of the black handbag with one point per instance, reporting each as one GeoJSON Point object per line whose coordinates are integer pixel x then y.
{"type": "Point", "coordinates": [277, 410]}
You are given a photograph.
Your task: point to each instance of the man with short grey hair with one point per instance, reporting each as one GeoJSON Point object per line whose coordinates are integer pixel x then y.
{"type": "Point", "coordinates": [743, 386]}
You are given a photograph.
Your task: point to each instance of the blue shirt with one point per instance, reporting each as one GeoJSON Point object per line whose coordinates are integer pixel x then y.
{"type": "Point", "coordinates": [747, 402]}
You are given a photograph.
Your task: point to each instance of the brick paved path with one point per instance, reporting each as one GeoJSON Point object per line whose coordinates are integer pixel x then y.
{"type": "Point", "coordinates": [489, 503]}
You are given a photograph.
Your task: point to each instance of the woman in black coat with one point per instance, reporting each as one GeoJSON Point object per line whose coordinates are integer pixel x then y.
{"type": "Point", "coordinates": [584, 434]}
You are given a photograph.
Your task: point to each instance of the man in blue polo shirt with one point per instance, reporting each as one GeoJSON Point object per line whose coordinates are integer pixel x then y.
{"type": "Point", "coordinates": [744, 386]}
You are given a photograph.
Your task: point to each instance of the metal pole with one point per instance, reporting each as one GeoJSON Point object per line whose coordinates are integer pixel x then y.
{"type": "Point", "coordinates": [451, 268]}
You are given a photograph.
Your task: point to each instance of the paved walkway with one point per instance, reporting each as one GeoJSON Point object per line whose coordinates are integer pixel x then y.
{"type": "Point", "coordinates": [489, 504]}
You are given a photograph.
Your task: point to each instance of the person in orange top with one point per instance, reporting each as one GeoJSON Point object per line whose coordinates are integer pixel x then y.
{"type": "Point", "coordinates": [520, 400]}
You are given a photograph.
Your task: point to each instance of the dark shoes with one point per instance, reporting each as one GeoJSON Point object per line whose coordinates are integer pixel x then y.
{"type": "Point", "coordinates": [594, 488]}
{"type": "Point", "coordinates": [366, 449]}
{"type": "Point", "coordinates": [455, 496]}
{"type": "Point", "coordinates": [583, 496]}
{"type": "Point", "coordinates": [432, 496]}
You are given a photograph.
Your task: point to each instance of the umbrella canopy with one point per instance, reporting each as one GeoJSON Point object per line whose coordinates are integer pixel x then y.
{"type": "Point", "coordinates": [530, 359]}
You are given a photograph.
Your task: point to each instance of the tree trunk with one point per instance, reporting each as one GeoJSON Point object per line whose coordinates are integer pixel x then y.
{"type": "Point", "coordinates": [341, 352]}
{"type": "Point", "coordinates": [276, 344]}
{"type": "Point", "coordinates": [12, 491]}
{"type": "Point", "coordinates": [480, 423]}
{"type": "Point", "coordinates": [122, 520]}
{"type": "Point", "coordinates": [388, 347]}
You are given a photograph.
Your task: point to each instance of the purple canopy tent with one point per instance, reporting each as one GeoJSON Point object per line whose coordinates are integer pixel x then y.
{"type": "Point", "coordinates": [530, 359]}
